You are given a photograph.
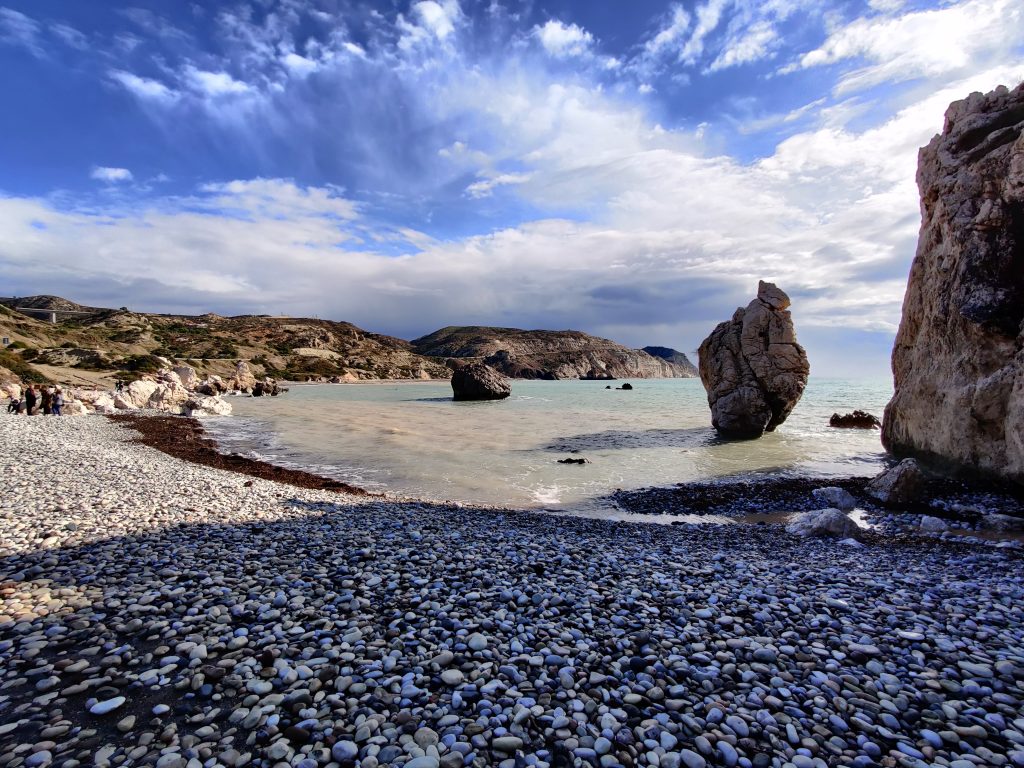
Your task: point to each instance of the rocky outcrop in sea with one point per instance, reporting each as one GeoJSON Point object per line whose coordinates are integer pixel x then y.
{"type": "Point", "coordinates": [958, 361]}
{"type": "Point", "coordinates": [477, 381]}
{"type": "Point", "coordinates": [753, 368]}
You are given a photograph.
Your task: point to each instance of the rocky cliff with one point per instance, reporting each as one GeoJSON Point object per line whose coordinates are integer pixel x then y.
{"type": "Point", "coordinates": [673, 356]}
{"type": "Point", "coordinates": [522, 354]}
{"type": "Point", "coordinates": [958, 362]}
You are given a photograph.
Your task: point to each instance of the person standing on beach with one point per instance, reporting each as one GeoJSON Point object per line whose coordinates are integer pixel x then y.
{"type": "Point", "coordinates": [30, 400]}
{"type": "Point", "coordinates": [45, 399]}
{"type": "Point", "coordinates": [57, 403]}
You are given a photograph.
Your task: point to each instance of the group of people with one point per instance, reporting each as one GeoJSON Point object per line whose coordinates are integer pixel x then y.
{"type": "Point", "coordinates": [46, 400]}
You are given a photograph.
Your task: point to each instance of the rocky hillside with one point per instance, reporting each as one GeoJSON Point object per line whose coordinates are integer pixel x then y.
{"type": "Point", "coordinates": [93, 346]}
{"type": "Point", "coordinates": [547, 354]}
{"type": "Point", "coordinates": [958, 361]}
{"type": "Point", "coordinates": [673, 356]}
{"type": "Point", "coordinates": [106, 344]}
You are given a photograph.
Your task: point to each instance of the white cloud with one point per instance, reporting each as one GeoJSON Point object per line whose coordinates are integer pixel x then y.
{"type": "Point", "coordinates": [110, 175]}
{"type": "Point", "coordinates": [18, 29]}
{"type": "Point", "coordinates": [432, 21]}
{"type": "Point", "coordinates": [144, 88]}
{"type": "Point", "coordinates": [214, 84]}
{"type": "Point", "coordinates": [485, 187]}
{"type": "Point", "coordinates": [278, 199]}
{"type": "Point", "coordinates": [70, 36]}
{"type": "Point", "coordinates": [299, 65]}
{"type": "Point", "coordinates": [920, 43]}
{"type": "Point", "coordinates": [669, 35]}
{"type": "Point", "coordinates": [437, 17]}
{"type": "Point", "coordinates": [662, 218]}
{"type": "Point", "coordinates": [708, 17]}
{"type": "Point", "coordinates": [564, 40]}
{"type": "Point", "coordinates": [753, 44]}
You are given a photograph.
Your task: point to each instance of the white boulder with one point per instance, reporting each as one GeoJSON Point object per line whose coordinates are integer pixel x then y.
{"type": "Point", "coordinates": [206, 406]}
{"type": "Point", "coordinates": [187, 375]}
{"type": "Point", "coordinates": [835, 497]}
{"type": "Point", "coordinates": [931, 524]}
{"type": "Point", "coordinates": [168, 396]}
{"type": "Point", "coordinates": [74, 408]}
{"type": "Point", "coordinates": [244, 379]}
{"type": "Point", "coordinates": [822, 522]}
{"type": "Point", "coordinates": [138, 392]}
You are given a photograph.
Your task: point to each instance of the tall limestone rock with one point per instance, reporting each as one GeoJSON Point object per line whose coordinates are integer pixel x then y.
{"type": "Point", "coordinates": [958, 361]}
{"type": "Point", "coordinates": [753, 368]}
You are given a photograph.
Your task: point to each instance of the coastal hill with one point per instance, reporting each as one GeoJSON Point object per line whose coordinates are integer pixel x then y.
{"type": "Point", "coordinates": [673, 356]}
{"type": "Point", "coordinates": [93, 345]}
{"type": "Point", "coordinates": [547, 354]}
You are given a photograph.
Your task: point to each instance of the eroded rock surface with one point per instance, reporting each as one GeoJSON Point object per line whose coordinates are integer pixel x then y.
{"type": "Point", "coordinates": [855, 420]}
{"type": "Point", "coordinates": [477, 381]}
{"type": "Point", "coordinates": [958, 361]}
{"type": "Point", "coordinates": [752, 367]}
{"type": "Point", "coordinates": [903, 484]}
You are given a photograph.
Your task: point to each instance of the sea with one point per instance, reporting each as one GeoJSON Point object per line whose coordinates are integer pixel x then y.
{"type": "Point", "coordinates": [411, 440]}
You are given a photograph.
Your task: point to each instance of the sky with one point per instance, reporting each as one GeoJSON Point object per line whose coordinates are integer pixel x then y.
{"type": "Point", "coordinates": [629, 169]}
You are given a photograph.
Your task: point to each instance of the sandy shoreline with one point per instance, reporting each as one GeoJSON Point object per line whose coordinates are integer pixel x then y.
{"type": "Point", "coordinates": [249, 622]}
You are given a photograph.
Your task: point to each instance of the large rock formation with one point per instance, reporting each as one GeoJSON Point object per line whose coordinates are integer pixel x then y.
{"type": "Point", "coordinates": [521, 354]}
{"type": "Point", "coordinates": [476, 381]}
{"type": "Point", "coordinates": [958, 361]}
{"type": "Point", "coordinates": [753, 368]}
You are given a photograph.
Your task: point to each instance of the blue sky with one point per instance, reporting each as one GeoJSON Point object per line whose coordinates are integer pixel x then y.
{"type": "Point", "coordinates": [627, 169]}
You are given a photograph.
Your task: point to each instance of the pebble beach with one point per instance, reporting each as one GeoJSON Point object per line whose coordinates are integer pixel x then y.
{"type": "Point", "coordinates": [155, 612]}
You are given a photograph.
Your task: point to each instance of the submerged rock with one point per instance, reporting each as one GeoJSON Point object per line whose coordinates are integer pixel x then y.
{"type": "Point", "coordinates": [958, 361]}
{"type": "Point", "coordinates": [752, 367]}
{"type": "Point", "coordinates": [477, 381]}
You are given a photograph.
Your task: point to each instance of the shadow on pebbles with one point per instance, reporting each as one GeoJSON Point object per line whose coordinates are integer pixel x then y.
{"type": "Point", "coordinates": [154, 612]}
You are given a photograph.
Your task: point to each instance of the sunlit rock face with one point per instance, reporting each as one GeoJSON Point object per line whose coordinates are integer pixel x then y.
{"type": "Point", "coordinates": [958, 362]}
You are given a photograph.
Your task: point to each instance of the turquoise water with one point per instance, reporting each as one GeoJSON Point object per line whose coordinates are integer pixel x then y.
{"type": "Point", "coordinates": [410, 439]}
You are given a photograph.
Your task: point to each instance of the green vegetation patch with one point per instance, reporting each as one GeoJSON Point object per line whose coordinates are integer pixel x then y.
{"type": "Point", "coordinates": [17, 365]}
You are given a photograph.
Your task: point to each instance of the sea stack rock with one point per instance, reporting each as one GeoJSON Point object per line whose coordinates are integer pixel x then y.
{"type": "Point", "coordinates": [753, 368]}
{"type": "Point", "coordinates": [958, 361]}
{"type": "Point", "coordinates": [477, 381]}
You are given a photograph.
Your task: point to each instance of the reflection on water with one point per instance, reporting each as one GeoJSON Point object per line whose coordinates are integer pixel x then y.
{"type": "Point", "coordinates": [411, 439]}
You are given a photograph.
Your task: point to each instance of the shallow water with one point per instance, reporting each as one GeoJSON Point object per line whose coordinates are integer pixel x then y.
{"type": "Point", "coordinates": [411, 439]}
